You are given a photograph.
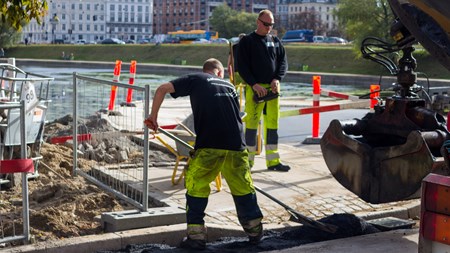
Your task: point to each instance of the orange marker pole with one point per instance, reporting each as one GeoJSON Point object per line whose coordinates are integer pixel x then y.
{"type": "Point", "coordinates": [131, 80]}
{"type": "Point", "coordinates": [374, 95]}
{"type": "Point", "coordinates": [116, 78]}
{"type": "Point", "coordinates": [316, 102]}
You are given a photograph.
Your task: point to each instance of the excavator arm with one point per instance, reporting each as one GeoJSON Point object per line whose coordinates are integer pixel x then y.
{"type": "Point", "coordinates": [384, 156]}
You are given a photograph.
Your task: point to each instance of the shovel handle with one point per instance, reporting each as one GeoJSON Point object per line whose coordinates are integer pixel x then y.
{"type": "Point", "coordinates": [300, 217]}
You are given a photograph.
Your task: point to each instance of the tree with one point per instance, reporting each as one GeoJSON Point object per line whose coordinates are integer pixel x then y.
{"type": "Point", "coordinates": [18, 12]}
{"type": "Point", "coordinates": [14, 14]}
{"type": "Point", "coordinates": [8, 35]}
{"type": "Point", "coordinates": [229, 23]}
{"type": "Point", "coordinates": [307, 20]}
{"type": "Point", "coordinates": [363, 18]}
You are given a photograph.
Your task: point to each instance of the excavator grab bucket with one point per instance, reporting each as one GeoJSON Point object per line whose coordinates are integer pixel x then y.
{"type": "Point", "coordinates": [376, 174]}
{"type": "Point", "coordinates": [384, 156]}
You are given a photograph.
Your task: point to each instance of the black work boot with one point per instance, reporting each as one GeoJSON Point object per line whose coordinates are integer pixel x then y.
{"type": "Point", "coordinates": [254, 231]}
{"type": "Point", "coordinates": [196, 237]}
{"type": "Point", "coordinates": [189, 243]}
{"type": "Point", "coordinates": [279, 167]}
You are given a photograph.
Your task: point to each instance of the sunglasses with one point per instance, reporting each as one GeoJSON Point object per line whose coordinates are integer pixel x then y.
{"type": "Point", "coordinates": [265, 23]}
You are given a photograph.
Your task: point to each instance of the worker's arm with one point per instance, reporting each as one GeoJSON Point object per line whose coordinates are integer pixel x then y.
{"type": "Point", "coordinates": [152, 120]}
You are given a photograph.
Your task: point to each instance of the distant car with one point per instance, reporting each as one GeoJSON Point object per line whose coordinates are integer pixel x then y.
{"type": "Point", "coordinates": [335, 40]}
{"type": "Point", "coordinates": [171, 40]}
{"type": "Point", "coordinates": [220, 41]}
{"type": "Point", "coordinates": [318, 39]}
{"type": "Point", "coordinates": [130, 42]}
{"type": "Point", "coordinates": [112, 41]}
{"type": "Point", "coordinates": [201, 41]}
{"type": "Point", "coordinates": [143, 41]}
{"type": "Point", "coordinates": [80, 42]}
{"type": "Point", "coordinates": [234, 39]}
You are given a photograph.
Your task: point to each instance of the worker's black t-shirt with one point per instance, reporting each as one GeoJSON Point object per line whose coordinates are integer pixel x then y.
{"type": "Point", "coordinates": [215, 106]}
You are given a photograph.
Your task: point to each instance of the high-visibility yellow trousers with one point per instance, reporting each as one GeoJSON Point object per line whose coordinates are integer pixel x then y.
{"type": "Point", "coordinates": [271, 115]}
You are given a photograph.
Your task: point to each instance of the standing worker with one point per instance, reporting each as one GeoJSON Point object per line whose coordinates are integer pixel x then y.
{"type": "Point", "coordinates": [262, 64]}
{"type": "Point", "coordinates": [219, 147]}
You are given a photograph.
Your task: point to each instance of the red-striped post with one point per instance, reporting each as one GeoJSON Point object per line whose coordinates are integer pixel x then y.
{"type": "Point", "coordinates": [131, 80]}
{"type": "Point", "coordinates": [374, 95]}
{"type": "Point", "coordinates": [116, 78]}
{"type": "Point", "coordinates": [316, 102]}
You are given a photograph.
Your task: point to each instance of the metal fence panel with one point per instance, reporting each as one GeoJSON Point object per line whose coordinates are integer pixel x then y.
{"type": "Point", "coordinates": [113, 142]}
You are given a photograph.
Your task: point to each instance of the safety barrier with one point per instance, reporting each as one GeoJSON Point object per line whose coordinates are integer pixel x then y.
{"type": "Point", "coordinates": [108, 139]}
{"type": "Point", "coordinates": [316, 109]}
{"type": "Point", "coordinates": [9, 221]}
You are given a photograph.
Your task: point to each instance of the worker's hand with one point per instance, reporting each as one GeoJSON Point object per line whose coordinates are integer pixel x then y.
{"type": "Point", "coordinates": [259, 90]}
{"type": "Point", "coordinates": [151, 123]}
{"type": "Point", "coordinates": [275, 86]}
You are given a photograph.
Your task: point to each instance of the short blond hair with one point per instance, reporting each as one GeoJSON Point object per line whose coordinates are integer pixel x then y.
{"type": "Point", "coordinates": [211, 64]}
{"type": "Point", "coordinates": [265, 12]}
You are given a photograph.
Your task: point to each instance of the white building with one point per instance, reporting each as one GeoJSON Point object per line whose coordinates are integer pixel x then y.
{"type": "Point", "coordinates": [92, 20]}
{"type": "Point", "coordinates": [324, 9]}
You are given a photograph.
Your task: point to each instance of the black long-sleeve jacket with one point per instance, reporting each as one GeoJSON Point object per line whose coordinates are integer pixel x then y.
{"type": "Point", "coordinates": [261, 59]}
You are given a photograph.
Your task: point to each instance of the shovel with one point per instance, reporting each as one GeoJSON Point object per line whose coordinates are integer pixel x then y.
{"type": "Point", "coordinates": [295, 215]}
{"type": "Point", "coordinates": [298, 217]}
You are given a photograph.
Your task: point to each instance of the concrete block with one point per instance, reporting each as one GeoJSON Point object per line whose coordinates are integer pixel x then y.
{"type": "Point", "coordinates": [132, 219]}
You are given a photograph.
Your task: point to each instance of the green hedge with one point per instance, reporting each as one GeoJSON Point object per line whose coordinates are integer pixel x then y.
{"type": "Point", "coordinates": [303, 57]}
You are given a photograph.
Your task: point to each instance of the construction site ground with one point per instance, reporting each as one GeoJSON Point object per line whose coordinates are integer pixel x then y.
{"type": "Point", "coordinates": [308, 187]}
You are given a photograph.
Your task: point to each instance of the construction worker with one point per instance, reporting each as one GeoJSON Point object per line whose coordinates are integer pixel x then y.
{"type": "Point", "coordinates": [219, 147]}
{"type": "Point", "coordinates": [262, 64]}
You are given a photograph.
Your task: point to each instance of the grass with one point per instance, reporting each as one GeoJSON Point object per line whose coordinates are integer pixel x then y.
{"type": "Point", "coordinates": [317, 58]}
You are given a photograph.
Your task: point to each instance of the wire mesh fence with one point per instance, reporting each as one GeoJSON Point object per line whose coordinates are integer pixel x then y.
{"type": "Point", "coordinates": [111, 141]}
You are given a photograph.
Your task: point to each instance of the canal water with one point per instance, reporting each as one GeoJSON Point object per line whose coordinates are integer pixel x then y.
{"type": "Point", "coordinates": [62, 96]}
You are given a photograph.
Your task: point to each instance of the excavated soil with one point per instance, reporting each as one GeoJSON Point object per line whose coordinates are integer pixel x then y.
{"type": "Point", "coordinates": [61, 205]}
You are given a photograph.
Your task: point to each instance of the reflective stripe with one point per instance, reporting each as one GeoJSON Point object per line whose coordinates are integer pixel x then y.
{"type": "Point", "coordinates": [271, 147]}
{"type": "Point", "coordinates": [251, 157]}
{"type": "Point", "coordinates": [272, 156]}
{"type": "Point", "coordinates": [196, 231]}
{"type": "Point", "coordinates": [251, 148]}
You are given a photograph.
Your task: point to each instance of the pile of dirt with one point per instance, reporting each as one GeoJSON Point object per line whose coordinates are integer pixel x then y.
{"type": "Point", "coordinates": [61, 205]}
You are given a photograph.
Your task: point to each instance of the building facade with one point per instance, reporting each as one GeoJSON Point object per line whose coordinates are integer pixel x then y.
{"type": "Point", "coordinates": [186, 15]}
{"type": "Point", "coordinates": [69, 21]}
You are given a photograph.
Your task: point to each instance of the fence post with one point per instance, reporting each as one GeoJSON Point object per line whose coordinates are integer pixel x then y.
{"type": "Point", "coordinates": [315, 139]}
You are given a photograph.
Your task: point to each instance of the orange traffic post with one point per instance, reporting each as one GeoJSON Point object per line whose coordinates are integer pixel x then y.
{"type": "Point", "coordinates": [315, 116]}
{"type": "Point", "coordinates": [116, 78]}
{"type": "Point", "coordinates": [131, 81]}
{"type": "Point", "coordinates": [316, 102]}
{"type": "Point", "coordinates": [374, 95]}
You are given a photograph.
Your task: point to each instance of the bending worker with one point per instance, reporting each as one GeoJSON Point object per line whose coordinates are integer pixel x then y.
{"type": "Point", "coordinates": [262, 64]}
{"type": "Point", "coordinates": [219, 147]}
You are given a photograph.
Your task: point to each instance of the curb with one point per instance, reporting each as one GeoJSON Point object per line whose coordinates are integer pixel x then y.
{"type": "Point", "coordinates": [173, 234]}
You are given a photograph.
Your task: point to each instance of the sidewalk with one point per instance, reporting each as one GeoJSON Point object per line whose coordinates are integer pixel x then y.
{"type": "Point", "coordinates": [308, 187]}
